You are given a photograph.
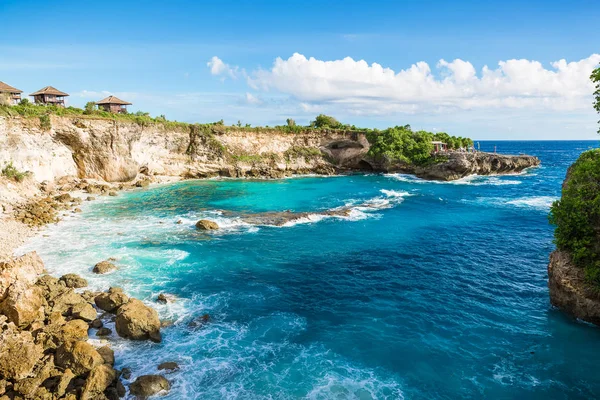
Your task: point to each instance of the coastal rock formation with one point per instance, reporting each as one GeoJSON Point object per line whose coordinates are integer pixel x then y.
{"type": "Point", "coordinates": [569, 291]}
{"type": "Point", "coordinates": [111, 300]}
{"type": "Point", "coordinates": [137, 321]}
{"type": "Point", "coordinates": [206, 225]}
{"type": "Point", "coordinates": [73, 281]}
{"type": "Point", "coordinates": [149, 385]}
{"type": "Point", "coordinates": [104, 267]}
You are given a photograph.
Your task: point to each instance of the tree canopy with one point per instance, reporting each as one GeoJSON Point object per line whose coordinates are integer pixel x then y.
{"type": "Point", "coordinates": [595, 77]}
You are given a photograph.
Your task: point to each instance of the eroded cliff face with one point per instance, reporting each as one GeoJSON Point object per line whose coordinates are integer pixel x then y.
{"type": "Point", "coordinates": [569, 291]}
{"type": "Point", "coordinates": [115, 151]}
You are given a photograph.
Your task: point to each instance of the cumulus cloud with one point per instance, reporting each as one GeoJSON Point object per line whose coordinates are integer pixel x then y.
{"type": "Point", "coordinates": [219, 68]}
{"type": "Point", "coordinates": [364, 88]}
{"type": "Point", "coordinates": [252, 99]}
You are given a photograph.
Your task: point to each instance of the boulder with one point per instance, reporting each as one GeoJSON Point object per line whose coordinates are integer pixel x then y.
{"type": "Point", "coordinates": [81, 357]}
{"type": "Point", "coordinates": [42, 371]}
{"type": "Point", "coordinates": [206, 225]}
{"type": "Point", "coordinates": [58, 332]}
{"type": "Point", "coordinates": [149, 385]}
{"type": "Point", "coordinates": [73, 281]}
{"type": "Point", "coordinates": [62, 299]}
{"type": "Point", "coordinates": [48, 284]}
{"type": "Point", "coordinates": [25, 269]}
{"type": "Point", "coordinates": [18, 353]}
{"type": "Point", "coordinates": [100, 378]}
{"type": "Point", "coordinates": [103, 332]}
{"type": "Point", "coordinates": [75, 329]}
{"type": "Point", "coordinates": [84, 311]}
{"type": "Point", "coordinates": [107, 354]}
{"type": "Point", "coordinates": [96, 324]}
{"type": "Point", "coordinates": [137, 321]}
{"type": "Point", "coordinates": [103, 267]}
{"type": "Point", "coordinates": [165, 298]}
{"type": "Point", "coordinates": [111, 300]}
{"type": "Point", "coordinates": [23, 304]}
{"type": "Point", "coordinates": [112, 193]}
{"type": "Point", "coordinates": [63, 383]}
{"type": "Point", "coordinates": [169, 366]}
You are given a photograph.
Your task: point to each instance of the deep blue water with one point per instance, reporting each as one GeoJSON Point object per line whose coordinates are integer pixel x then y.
{"type": "Point", "coordinates": [426, 291]}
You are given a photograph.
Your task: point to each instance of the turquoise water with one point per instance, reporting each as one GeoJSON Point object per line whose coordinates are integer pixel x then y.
{"type": "Point", "coordinates": [424, 291]}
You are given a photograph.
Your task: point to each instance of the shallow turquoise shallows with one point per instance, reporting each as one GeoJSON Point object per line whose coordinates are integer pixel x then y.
{"type": "Point", "coordinates": [423, 291]}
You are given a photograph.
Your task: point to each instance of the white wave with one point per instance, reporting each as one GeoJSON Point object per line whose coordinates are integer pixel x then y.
{"type": "Point", "coordinates": [473, 180]}
{"type": "Point", "coordinates": [537, 202]}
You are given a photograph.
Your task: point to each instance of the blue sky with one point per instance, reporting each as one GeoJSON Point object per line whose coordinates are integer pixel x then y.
{"type": "Point", "coordinates": [156, 54]}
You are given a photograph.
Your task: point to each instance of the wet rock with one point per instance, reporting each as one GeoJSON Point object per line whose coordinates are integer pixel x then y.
{"type": "Point", "coordinates": [18, 353]}
{"type": "Point", "coordinates": [126, 373]}
{"type": "Point", "coordinates": [206, 225]}
{"type": "Point", "coordinates": [81, 357]}
{"type": "Point", "coordinates": [165, 298]}
{"type": "Point", "coordinates": [103, 267]}
{"type": "Point", "coordinates": [137, 321]}
{"type": "Point", "coordinates": [77, 210]}
{"type": "Point", "coordinates": [73, 281]}
{"type": "Point", "coordinates": [84, 311]}
{"type": "Point", "coordinates": [179, 222]}
{"type": "Point", "coordinates": [100, 378]}
{"type": "Point", "coordinates": [112, 193]}
{"type": "Point", "coordinates": [149, 385]}
{"type": "Point", "coordinates": [96, 324]}
{"type": "Point", "coordinates": [90, 198]}
{"type": "Point", "coordinates": [107, 354]}
{"type": "Point", "coordinates": [111, 300]}
{"type": "Point", "coordinates": [199, 321]}
{"type": "Point", "coordinates": [169, 366]}
{"type": "Point", "coordinates": [103, 332]}
{"type": "Point", "coordinates": [23, 304]}
{"type": "Point", "coordinates": [143, 183]}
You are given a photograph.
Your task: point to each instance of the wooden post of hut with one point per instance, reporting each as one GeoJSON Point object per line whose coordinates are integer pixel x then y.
{"type": "Point", "coordinates": [438, 146]}
{"type": "Point", "coordinates": [49, 95]}
{"type": "Point", "coordinates": [114, 105]}
{"type": "Point", "coordinates": [14, 94]}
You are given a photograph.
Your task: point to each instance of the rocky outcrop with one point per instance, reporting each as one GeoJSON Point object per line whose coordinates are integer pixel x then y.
{"type": "Point", "coordinates": [206, 225]}
{"type": "Point", "coordinates": [569, 291]}
{"type": "Point", "coordinates": [137, 321]}
{"type": "Point", "coordinates": [104, 267]}
{"type": "Point", "coordinates": [149, 385]}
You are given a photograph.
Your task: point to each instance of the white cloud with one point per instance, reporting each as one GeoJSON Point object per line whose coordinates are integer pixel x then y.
{"type": "Point", "coordinates": [219, 68]}
{"type": "Point", "coordinates": [364, 89]}
{"type": "Point", "coordinates": [252, 99]}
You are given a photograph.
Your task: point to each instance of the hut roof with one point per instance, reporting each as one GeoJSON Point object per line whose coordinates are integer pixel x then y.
{"type": "Point", "coordinates": [49, 90]}
{"type": "Point", "coordinates": [113, 100]}
{"type": "Point", "coordinates": [437, 142]}
{"type": "Point", "coordinates": [4, 88]}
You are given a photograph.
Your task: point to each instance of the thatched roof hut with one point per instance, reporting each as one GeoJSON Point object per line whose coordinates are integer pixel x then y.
{"type": "Point", "coordinates": [113, 104]}
{"type": "Point", "coordinates": [49, 95]}
{"type": "Point", "coordinates": [14, 94]}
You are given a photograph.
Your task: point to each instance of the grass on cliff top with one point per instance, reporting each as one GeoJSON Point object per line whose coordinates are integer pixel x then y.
{"type": "Point", "coordinates": [577, 215]}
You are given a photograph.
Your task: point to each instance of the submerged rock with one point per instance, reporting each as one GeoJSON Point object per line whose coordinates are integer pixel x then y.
{"type": "Point", "coordinates": [103, 267]}
{"type": "Point", "coordinates": [137, 321]}
{"type": "Point", "coordinates": [169, 366]}
{"type": "Point", "coordinates": [149, 385]}
{"type": "Point", "coordinates": [206, 225]}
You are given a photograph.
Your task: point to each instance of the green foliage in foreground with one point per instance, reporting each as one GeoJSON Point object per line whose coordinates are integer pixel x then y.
{"type": "Point", "coordinates": [11, 172]}
{"type": "Point", "coordinates": [577, 215]}
{"type": "Point", "coordinates": [402, 144]}
{"type": "Point", "coordinates": [595, 77]}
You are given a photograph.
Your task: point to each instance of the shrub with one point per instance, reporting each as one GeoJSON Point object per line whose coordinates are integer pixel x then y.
{"type": "Point", "coordinates": [290, 122]}
{"type": "Point", "coordinates": [89, 108]}
{"type": "Point", "coordinates": [577, 215]}
{"type": "Point", "coordinates": [325, 121]}
{"type": "Point", "coordinates": [13, 173]}
{"type": "Point", "coordinates": [45, 122]}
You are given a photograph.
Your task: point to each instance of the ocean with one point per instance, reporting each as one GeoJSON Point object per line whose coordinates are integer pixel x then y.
{"type": "Point", "coordinates": [423, 290]}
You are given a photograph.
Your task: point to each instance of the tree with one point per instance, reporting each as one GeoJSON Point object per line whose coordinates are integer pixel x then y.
{"type": "Point", "coordinates": [325, 121]}
{"type": "Point", "coordinates": [89, 108]}
{"type": "Point", "coordinates": [595, 77]}
{"type": "Point", "coordinates": [290, 122]}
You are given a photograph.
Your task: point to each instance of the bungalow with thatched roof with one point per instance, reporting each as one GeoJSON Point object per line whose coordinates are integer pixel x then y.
{"type": "Point", "coordinates": [49, 95]}
{"type": "Point", "coordinates": [113, 104]}
{"type": "Point", "coordinates": [14, 94]}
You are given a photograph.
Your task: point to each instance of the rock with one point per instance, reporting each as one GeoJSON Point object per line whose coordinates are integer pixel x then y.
{"type": "Point", "coordinates": [143, 183]}
{"type": "Point", "coordinates": [103, 332]}
{"type": "Point", "coordinates": [98, 381]}
{"type": "Point", "coordinates": [23, 304]}
{"type": "Point", "coordinates": [84, 311]}
{"type": "Point", "coordinates": [199, 321]}
{"type": "Point", "coordinates": [64, 198]}
{"type": "Point", "coordinates": [73, 281]}
{"type": "Point", "coordinates": [165, 298]}
{"type": "Point", "coordinates": [137, 321]}
{"type": "Point", "coordinates": [206, 225]}
{"type": "Point", "coordinates": [89, 296]}
{"type": "Point", "coordinates": [149, 385]}
{"type": "Point", "coordinates": [48, 284]}
{"type": "Point", "coordinates": [111, 300]}
{"type": "Point", "coordinates": [569, 291]}
{"type": "Point", "coordinates": [62, 299]}
{"type": "Point", "coordinates": [170, 366]}
{"type": "Point", "coordinates": [42, 370]}
{"type": "Point", "coordinates": [90, 198]}
{"type": "Point", "coordinates": [79, 356]}
{"type": "Point", "coordinates": [179, 222]}
{"type": "Point", "coordinates": [126, 373]}
{"type": "Point", "coordinates": [96, 324]}
{"type": "Point", "coordinates": [107, 354]}
{"type": "Point", "coordinates": [18, 353]}
{"type": "Point", "coordinates": [77, 210]}
{"type": "Point", "coordinates": [103, 267]}
{"type": "Point", "coordinates": [64, 382]}
{"type": "Point", "coordinates": [25, 269]}
{"type": "Point", "coordinates": [75, 329]}
{"type": "Point", "coordinates": [112, 193]}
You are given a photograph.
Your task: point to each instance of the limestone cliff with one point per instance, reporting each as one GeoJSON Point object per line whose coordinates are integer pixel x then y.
{"type": "Point", "coordinates": [117, 150]}
{"type": "Point", "coordinates": [569, 291]}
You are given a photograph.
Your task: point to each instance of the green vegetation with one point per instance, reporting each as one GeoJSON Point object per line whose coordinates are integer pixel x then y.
{"type": "Point", "coordinates": [295, 152]}
{"type": "Point", "coordinates": [325, 121]}
{"type": "Point", "coordinates": [577, 215]}
{"type": "Point", "coordinates": [45, 122]}
{"type": "Point", "coordinates": [11, 172]}
{"type": "Point", "coordinates": [595, 77]}
{"type": "Point", "coordinates": [402, 144]}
